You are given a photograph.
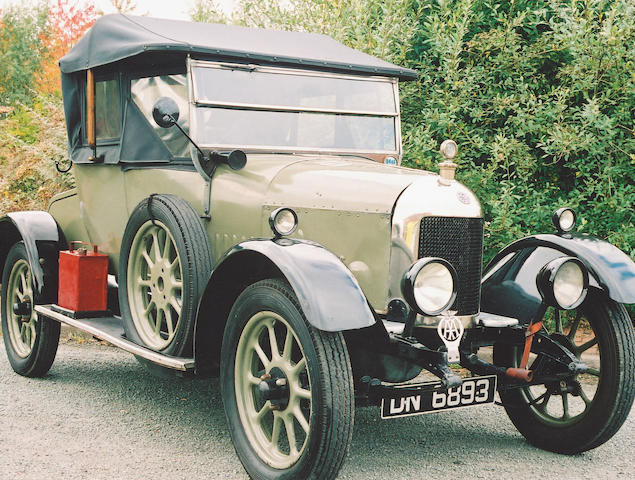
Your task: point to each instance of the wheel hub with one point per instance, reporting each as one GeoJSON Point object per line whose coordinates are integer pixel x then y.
{"type": "Point", "coordinates": [23, 309]}
{"type": "Point", "coordinates": [274, 386]}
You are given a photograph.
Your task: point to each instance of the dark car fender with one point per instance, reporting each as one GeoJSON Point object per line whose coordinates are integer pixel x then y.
{"type": "Point", "coordinates": [509, 282]}
{"type": "Point", "coordinates": [42, 239]}
{"type": "Point", "coordinates": [327, 291]}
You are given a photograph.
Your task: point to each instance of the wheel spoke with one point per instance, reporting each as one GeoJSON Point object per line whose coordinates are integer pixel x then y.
{"type": "Point", "coordinates": [300, 366]}
{"type": "Point", "coordinates": [261, 354]}
{"type": "Point", "coordinates": [166, 247]}
{"type": "Point", "coordinates": [168, 322]}
{"type": "Point", "coordinates": [275, 430]}
{"type": "Point", "coordinates": [585, 346]}
{"type": "Point", "coordinates": [147, 258]}
{"type": "Point", "coordinates": [299, 416]}
{"type": "Point", "coordinates": [175, 305]}
{"type": "Point", "coordinates": [144, 282]}
{"type": "Point", "coordinates": [288, 425]}
{"type": "Point", "coordinates": [565, 406]}
{"type": "Point", "coordinates": [31, 333]}
{"type": "Point", "coordinates": [260, 415]}
{"type": "Point", "coordinates": [543, 405]}
{"type": "Point", "coordinates": [288, 344]}
{"type": "Point", "coordinates": [149, 308]}
{"type": "Point", "coordinates": [175, 265]}
{"type": "Point", "coordinates": [273, 341]}
{"type": "Point", "coordinates": [177, 285]}
{"type": "Point", "coordinates": [156, 248]}
{"type": "Point", "coordinates": [23, 332]}
{"type": "Point", "coordinates": [157, 325]}
{"type": "Point", "coordinates": [584, 397]}
{"type": "Point", "coordinates": [251, 378]}
{"type": "Point", "coordinates": [574, 326]}
{"type": "Point", "coordinates": [303, 393]}
{"type": "Point", "coordinates": [593, 371]}
{"type": "Point", "coordinates": [23, 282]}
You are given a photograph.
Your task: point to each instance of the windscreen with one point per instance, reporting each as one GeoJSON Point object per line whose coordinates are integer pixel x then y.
{"type": "Point", "coordinates": [244, 107]}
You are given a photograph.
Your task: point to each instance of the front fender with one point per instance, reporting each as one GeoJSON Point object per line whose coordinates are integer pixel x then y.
{"type": "Point", "coordinates": [509, 283]}
{"type": "Point", "coordinates": [328, 293]}
{"type": "Point", "coordinates": [41, 236]}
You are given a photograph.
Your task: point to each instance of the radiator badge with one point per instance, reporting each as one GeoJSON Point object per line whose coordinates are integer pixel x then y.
{"type": "Point", "coordinates": [450, 330]}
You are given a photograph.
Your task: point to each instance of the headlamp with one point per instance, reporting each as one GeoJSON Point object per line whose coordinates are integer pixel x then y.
{"type": "Point", "coordinates": [283, 222]}
{"type": "Point", "coordinates": [563, 283]}
{"type": "Point", "coordinates": [429, 286]}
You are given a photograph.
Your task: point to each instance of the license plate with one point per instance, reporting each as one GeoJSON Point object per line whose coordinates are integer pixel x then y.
{"type": "Point", "coordinates": [432, 397]}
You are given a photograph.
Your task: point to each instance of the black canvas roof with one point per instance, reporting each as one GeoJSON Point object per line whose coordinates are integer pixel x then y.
{"type": "Point", "coordinates": [117, 37]}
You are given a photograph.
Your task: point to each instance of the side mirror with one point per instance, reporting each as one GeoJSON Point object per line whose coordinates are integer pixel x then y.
{"type": "Point", "coordinates": [165, 112]}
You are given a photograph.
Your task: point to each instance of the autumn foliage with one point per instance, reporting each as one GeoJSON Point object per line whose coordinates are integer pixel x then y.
{"type": "Point", "coordinates": [67, 22]}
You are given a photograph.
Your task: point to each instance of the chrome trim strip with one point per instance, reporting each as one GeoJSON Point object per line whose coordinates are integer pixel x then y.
{"type": "Point", "coordinates": [175, 363]}
{"type": "Point", "coordinates": [280, 108]}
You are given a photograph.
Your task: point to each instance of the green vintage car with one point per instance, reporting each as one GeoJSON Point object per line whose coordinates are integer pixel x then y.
{"type": "Point", "coordinates": [246, 188]}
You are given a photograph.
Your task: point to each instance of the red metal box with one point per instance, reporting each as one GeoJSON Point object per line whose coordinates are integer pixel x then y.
{"type": "Point", "coordinates": [83, 279]}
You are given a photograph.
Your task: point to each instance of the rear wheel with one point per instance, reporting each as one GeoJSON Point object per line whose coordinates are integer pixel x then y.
{"type": "Point", "coordinates": [585, 411]}
{"type": "Point", "coordinates": [31, 341]}
{"type": "Point", "coordinates": [287, 387]}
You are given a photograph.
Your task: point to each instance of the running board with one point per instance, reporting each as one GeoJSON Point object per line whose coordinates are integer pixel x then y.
{"type": "Point", "coordinates": [110, 330]}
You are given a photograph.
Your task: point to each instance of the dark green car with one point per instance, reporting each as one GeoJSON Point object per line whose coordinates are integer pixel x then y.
{"type": "Point", "coordinates": [246, 187]}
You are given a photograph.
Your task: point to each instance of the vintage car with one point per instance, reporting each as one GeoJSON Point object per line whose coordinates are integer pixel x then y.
{"type": "Point", "coordinates": [245, 186]}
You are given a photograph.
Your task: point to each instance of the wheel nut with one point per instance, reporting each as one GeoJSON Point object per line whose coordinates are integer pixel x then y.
{"type": "Point", "coordinates": [281, 382]}
{"type": "Point", "coordinates": [266, 376]}
{"type": "Point", "coordinates": [273, 407]}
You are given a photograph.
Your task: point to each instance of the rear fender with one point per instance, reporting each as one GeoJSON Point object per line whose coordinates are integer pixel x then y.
{"type": "Point", "coordinates": [509, 284]}
{"type": "Point", "coordinates": [42, 239]}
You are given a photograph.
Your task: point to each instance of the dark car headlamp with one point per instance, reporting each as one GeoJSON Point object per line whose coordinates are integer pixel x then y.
{"type": "Point", "coordinates": [429, 286]}
{"type": "Point", "coordinates": [563, 283]}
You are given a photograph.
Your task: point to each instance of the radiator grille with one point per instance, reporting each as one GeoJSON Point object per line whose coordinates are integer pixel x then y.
{"type": "Point", "coordinates": [460, 242]}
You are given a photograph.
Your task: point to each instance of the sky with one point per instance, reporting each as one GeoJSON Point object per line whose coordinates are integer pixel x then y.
{"type": "Point", "coordinates": [175, 9]}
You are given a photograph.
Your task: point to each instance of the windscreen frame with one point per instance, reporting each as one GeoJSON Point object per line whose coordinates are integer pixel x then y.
{"type": "Point", "coordinates": [198, 103]}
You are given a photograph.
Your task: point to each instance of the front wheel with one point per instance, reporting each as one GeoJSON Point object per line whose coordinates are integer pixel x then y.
{"type": "Point", "coordinates": [585, 411]}
{"type": "Point", "coordinates": [30, 340]}
{"type": "Point", "coordinates": [286, 386]}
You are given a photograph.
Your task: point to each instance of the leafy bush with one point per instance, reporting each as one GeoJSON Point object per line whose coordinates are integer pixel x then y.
{"type": "Point", "coordinates": [21, 50]}
{"type": "Point", "coordinates": [28, 155]}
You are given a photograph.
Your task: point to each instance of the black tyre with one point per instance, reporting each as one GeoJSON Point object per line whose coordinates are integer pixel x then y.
{"type": "Point", "coordinates": [286, 386]}
{"type": "Point", "coordinates": [30, 340]}
{"type": "Point", "coordinates": [583, 412]}
{"type": "Point", "coordinates": [164, 264]}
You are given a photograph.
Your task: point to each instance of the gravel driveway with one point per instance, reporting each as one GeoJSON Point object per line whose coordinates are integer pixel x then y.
{"type": "Point", "coordinates": [98, 414]}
